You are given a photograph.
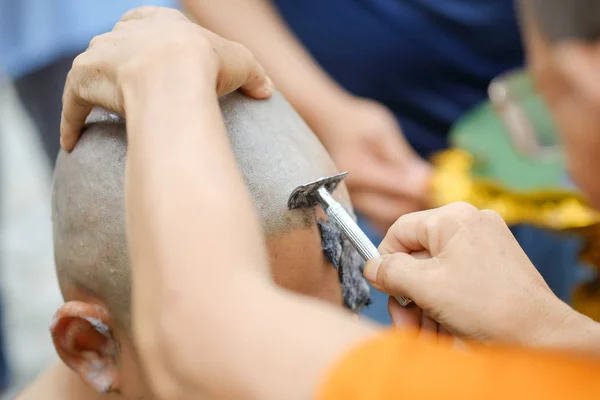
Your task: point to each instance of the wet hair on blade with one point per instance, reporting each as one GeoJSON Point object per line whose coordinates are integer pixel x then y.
{"type": "Point", "coordinates": [339, 251]}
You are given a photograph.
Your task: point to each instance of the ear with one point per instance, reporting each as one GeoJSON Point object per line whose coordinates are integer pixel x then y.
{"type": "Point", "coordinates": [83, 338]}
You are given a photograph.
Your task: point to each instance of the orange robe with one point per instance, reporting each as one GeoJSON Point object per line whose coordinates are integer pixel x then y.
{"type": "Point", "coordinates": [398, 365]}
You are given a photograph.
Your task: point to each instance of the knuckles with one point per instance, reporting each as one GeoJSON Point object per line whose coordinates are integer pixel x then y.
{"type": "Point", "coordinates": [464, 211]}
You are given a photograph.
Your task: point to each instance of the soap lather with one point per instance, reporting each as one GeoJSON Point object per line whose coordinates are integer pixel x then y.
{"type": "Point", "coordinates": [319, 192]}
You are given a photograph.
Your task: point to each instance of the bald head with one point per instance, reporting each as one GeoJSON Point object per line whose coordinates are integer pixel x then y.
{"type": "Point", "coordinates": [274, 148]}
{"type": "Point", "coordinates": [276, 152]}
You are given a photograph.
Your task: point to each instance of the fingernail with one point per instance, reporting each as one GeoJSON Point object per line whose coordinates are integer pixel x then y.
{"type": "Point", "coordinates": [63, 143]}
{"type": "Point", "coordinates": [267, 89]}
{"type": "Point", "coordinates": [371, 269]}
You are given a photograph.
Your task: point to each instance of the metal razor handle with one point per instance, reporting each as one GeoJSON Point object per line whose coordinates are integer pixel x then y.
{"type": "Point", "coordinates": [352, 231]}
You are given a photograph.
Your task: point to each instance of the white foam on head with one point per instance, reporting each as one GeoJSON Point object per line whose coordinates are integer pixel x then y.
{"type": "Point", "coordinates": [99, 326]}
{"type": "Point", "coordinates": [97, 376]}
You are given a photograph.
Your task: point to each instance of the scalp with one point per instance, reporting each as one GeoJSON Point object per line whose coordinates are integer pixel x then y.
{"type": "Point", "coordinates": [274, 148]}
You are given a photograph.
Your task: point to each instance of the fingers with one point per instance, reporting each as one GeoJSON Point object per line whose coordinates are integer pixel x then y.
{"type": "Point", "coordinates": [86, 86]}
{"type": "Point", "coordinates": [428, 324]}
{"type": "Point", "coordinates": [416, 255]}
{"type": "Point", "coordinates": [415, 318]}
{"type": "Point", "coordinates": [95, 76]}
{"type": "Point", "coordinates": [404, 317]}
{"type": "Point", "coordinates": [428, 230]}
{"type": "Point", "coordinates": [443, 331]}
{"type": "Point", "coordinates": [399, 274]}
{"type": "Point", "coordinates": [408, 233]}
{"type": "Point", "coordinates": [74, 112]}
{"type": "Point", "coordinates": [239, 70]}
{"type": "Point", "coordinates": [151, 11]}
{"type": "Point", "coordinates": [259, 87]}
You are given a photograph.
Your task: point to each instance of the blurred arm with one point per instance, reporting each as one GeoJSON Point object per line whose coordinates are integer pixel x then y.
{"type": "Point", "coordinates": [256, 25]}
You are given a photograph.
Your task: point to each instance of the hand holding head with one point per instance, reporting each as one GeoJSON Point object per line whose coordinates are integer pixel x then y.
{"type": "Point", "coordinates": [151, 43]}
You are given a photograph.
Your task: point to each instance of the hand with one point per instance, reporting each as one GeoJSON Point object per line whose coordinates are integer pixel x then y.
{"type": "Point", "coordinates": [415, 318]}
{"type": "Point", "coordinates": [386, 178]}
{"type": "Point", "coordinates": [149, 39]}
{"type": "Point", "coordinates": [464, 268]}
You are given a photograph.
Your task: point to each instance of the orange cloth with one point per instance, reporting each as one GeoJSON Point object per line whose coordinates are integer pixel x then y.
{"type": "Point", "coordinates": [398, 365]}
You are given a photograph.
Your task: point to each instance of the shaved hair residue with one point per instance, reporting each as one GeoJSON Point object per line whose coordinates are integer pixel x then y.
{"type": "Point", "coordinates": [274, 148]}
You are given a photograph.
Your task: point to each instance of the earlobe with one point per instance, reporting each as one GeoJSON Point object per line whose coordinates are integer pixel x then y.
{"type": "Point", "coordinates": [82, 337]}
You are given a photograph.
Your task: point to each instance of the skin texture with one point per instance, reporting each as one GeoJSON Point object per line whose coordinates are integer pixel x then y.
{"type": "Point", "coordinates": [275, 150]}
{"type": "Point", "coordinates": [362, 136]}
{"type": "Point", "coordinates": [193, 336]}
{"type": "Point", "coordinates": [566, 75]}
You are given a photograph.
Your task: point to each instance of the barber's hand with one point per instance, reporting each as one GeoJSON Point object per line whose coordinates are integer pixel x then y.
{"type": "Point", "coordinates": [386, 177]}
{"type": "Point", "coordinates": [145, 41]}
{"type": "Point", "coordinates": [416, 319]}
{"type": "Point", "coordinates": [464, 269]}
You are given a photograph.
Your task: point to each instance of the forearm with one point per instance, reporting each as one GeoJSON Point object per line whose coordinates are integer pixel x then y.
{"type": "Point", "coordinates": [182, 175]}
{"type": "Point", "coordinates": [207, 318]}
{"type": "Point", "coordinates": [575, 332]}
{"type": "Point", "coordinates": [291, 67]}
{"type": "Point", "coordinates": [191, 226]}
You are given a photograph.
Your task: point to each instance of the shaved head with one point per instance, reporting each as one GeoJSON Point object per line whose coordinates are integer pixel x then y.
{"type": "Point", "coordinates": [275, 150]}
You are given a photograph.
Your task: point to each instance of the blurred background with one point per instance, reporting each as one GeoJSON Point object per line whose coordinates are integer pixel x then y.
{"type": "Point", "coordinates": [28, 284]}
{"type": "Point", "coordinates": [447, 74]}
{"type": "Point", "coordinates": [38, 41]}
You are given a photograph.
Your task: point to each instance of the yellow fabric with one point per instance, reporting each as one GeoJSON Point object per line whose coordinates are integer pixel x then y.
{"type": "Point", "coordinates": [546, 208]}
{"type": "Point", "coordinates": [398, 365]}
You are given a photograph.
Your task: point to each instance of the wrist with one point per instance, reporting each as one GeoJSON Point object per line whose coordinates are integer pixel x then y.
{"type": "Point", "coordinates": [561, 327]}
{"type": "Point", "coordinates": [577, 333]}
{"type": "Point", "coordinates": [169, 74]}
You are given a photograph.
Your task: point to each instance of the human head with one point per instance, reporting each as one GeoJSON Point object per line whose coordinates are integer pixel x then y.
{"type": "Point", "coordinates": [565, 70]}
{"type": "Point", "coordinates": [275, 151]}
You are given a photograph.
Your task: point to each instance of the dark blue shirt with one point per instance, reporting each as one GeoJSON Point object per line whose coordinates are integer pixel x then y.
{"type": "Point", "coordinates": [429, 61]}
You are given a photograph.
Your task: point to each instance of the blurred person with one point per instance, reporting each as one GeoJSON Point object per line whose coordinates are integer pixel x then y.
{"type": "Point", "coordinates": [391, 77]}
{"type": "Point", "coordinates": [278, 344]}
{"type": "Point", "coordinates": [92, 330]}
{"type": "Point", "coordinates": [39, 40]}
{"type": "Point", "coordinates": [565, 73]}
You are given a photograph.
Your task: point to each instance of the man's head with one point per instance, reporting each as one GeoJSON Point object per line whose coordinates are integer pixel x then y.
{"type": "Point", "coordinates": [565, 70]}
{"type": "Point", "coordinates": [275, 151]}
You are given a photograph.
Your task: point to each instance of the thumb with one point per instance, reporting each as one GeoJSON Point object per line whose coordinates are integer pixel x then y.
{"type": "Point", "coordinates": [397, 274]}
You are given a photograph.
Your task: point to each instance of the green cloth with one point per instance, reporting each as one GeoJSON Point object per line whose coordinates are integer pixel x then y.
{"type": "Point", "coordinates": [483, 134]}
